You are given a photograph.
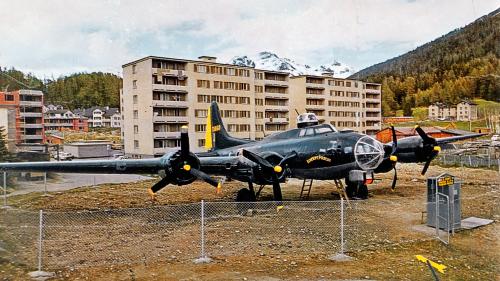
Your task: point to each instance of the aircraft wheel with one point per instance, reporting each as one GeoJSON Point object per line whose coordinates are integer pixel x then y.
{"type": "Point", "coordinates": [245, 195]}
{"type": "Point", "coordinates": [350, 189]}
{"type": "Point", "coordinates": [362, 191]}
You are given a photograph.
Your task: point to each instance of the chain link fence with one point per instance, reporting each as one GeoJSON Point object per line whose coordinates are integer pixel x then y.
{"type": "Point", "coordinates": [183, 233]}
{"type": "Point", "coordinates": [473, 161]}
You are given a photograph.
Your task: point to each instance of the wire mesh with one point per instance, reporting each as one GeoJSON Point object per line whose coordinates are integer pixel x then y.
{"type": "Point", "coordinates": [19, 237]}
{"type": "Point", "coordinates": [173, 233]}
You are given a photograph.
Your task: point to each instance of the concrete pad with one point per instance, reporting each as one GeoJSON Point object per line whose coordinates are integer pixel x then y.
{"type": "Point", "coordinates": [41, 275]}
{"type": "Point", "coordinates": [473, 222]}
{"type": "Point", "coordinates": [340, 257]}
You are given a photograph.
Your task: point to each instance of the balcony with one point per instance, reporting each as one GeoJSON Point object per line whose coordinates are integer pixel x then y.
{"type": "Point", "coordinates": [48, 124]}
{"type": "Point", "coordinates": [373, 118]}
{"type": "Point", "coordinates": [169, 72]}
{"type": "Point", "coordinates": [277, 120]}
{"type": "Point", "coordinates": [315, 107]}
{"type": "Point", "coordinates": [32, 126]}
{"type": "Point", "coordinates": [170, 119]}
{"type": "Point", "coordinates": [173, 104]}
{"type": "Point", "coordinates": [175, 88]}
{"type": "Point", "coordinates": [31, 114]}
{"type": "Point", "coordinates": [166, 135]}
{"type": "Point", "coordinates": [276, 83]}
{"type": "Point", "coordinates": [31, 103]}
{"type": "Point", "coordinates": [315, 86]}
{"type": "Point", "coordinates": [163, 150]}
{"type": "Point", "coordinates": [278, 108]}
{"type": "Point", "coordinates": [32, 137]}
{"type": "Point", "coordinates": [373, 109]}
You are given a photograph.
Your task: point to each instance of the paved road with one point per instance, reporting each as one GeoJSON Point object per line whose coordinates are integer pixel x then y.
{"type": "Point", "coordinates": [69, 181]}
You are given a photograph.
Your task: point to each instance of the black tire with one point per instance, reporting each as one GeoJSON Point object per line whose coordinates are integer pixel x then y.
{"type": "Point", "coordinates": [245, 195]}
{"type": "Point", "coordinates": [350, 189]}
{"type": "Point", "coordinates": [362, 191]}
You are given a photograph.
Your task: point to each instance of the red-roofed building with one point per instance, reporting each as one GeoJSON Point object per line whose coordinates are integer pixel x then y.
{"type": "Point", "coordinates": [385, 135]}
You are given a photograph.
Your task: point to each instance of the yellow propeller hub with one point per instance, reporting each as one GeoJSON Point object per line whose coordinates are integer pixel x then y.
{"type": "Point", "coordinates": [186, 167]}
{"type": "Point", "coordinates": [278, 169]}
{"type": "Point", "coordinates": [437, 148]}
{"type": "Point", "coordinates": [393, 158]}
{"type": "Point", "coordinates": [416, 126]}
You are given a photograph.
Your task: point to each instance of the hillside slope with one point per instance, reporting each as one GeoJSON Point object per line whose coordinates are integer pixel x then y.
{"type": "Point", "coordinates": [462, 64]}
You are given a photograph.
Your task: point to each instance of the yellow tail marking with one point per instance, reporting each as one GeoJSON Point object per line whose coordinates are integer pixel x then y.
{"type": "Point", "coordinates": [208, 133]}
{"type": "Point", "coordinates": [439, 267]}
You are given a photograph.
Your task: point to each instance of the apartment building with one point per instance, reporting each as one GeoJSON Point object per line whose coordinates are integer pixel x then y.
{"type": "Point", "coordinates": [462, 111]}
{"type": "Point", "coordinates": [101, 116]}
{"type": "Point", "coordinates": [56, 118]}
{"type": "Point", "coordinates": [21, 114]}
{"type": "Point", "coordinates": [346, 104]}
{"type": "Point", "coordinates": [162, 94]}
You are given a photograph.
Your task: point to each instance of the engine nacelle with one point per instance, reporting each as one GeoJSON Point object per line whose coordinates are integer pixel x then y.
{"type": "Point", "coordinates": [174, 164]}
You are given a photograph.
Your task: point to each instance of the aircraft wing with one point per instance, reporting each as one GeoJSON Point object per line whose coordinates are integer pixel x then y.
{"type": "Point", "coordinates": [457, 138]}
{"type": "Point", "coordinates": [126, 166]}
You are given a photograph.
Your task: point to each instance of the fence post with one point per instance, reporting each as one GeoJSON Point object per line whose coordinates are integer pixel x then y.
{"type": "Point", "coordinates": [341, 256]}
{"type": "Point", "coordinates": [203, 257]}
{"type": "Point", "coordinates": [39, 273]}
{"type": "Point", "coordinates": [5, 190]}
{"type": "Point", "coordinates": [45, 184]}
{"type": "Point", "coordinates": [40, 241]}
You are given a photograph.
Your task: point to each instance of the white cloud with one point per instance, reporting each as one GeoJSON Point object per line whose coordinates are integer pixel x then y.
{"type": "Point", "coordinates": [57, 37]}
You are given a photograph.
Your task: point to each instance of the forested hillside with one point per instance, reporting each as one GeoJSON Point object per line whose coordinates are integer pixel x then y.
{"type": "Point", "coordinates": [461, 64]}
{"type": "Point", "coordinates": [73, 91]}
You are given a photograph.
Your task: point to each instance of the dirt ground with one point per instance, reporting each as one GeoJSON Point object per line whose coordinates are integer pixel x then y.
{"type": "Point", "coordinates": [471, 255]}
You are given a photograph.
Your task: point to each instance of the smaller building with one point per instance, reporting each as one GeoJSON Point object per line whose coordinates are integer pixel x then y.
{"type": "Point", "coordinates": [399, 119]}
{"type": "Point", "coordinates": [101, 117]}
{"type": "Point", "coordinates": [59, 119]}
{"type": "Point", "coordinates": [463, 111]}
{"type": "Point", "coordinates": [95, 149]}
{"type": "Point", "coordinates": [385, 135]}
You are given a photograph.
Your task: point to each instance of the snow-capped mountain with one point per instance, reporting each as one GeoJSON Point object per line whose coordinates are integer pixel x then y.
{"type": "Point", "coordinates": [271, 61]}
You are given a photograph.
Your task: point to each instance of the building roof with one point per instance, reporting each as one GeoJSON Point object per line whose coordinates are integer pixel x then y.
{"type": "Point", "coordinates": [199, 61]}
{"type": "Point", "coordinates": [89, 112]}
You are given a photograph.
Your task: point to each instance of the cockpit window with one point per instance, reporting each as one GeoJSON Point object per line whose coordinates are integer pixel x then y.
{"type": "Point", "coordinates": [309, 131]}
{"type": "Point", "coordinates": [323, 130]}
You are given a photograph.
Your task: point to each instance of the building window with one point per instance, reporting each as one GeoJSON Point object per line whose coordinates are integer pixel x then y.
{"type": "Point", "coordinates": [134, 84]}
{"type": "Point", "coordinates": [136, 129]}
{"type": "Point", "coordinates": [348, 84]}
{"type": "Point", "coordinates": [259, 89]}
{"type": "Point", "coordinates": [201, 68]}
{"type": "Point", "coordinates": [200, 113]}
{"type": "Point", "coordinates": [200, 128]}
{"type": "Point", "coordinates": [230, 71]}
{"type": "Point", "coordinates": [135, 99]}
{"type": "Point", "coordinates": [259, 102]}
{"type": "Point", "coordinates": [204, 84]}
{"type": "Point", "coordinates": [136, 144]}
{"type": "Point", "coordinates": [9, 97]}
{"type": "Point", "coordinates": [136, 114]}
{"type": "Point", "coordinates": [201, 142]}
{"type": "Point", "coordinates": [133, 69]}
{"type": "Point", "coordinates": [259, 75]}
{"type": "Point", "coordinates": [259, 115]}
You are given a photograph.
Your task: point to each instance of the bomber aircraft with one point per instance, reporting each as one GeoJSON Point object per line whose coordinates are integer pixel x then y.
{"type": "Point", "coordinates": [312, 151]}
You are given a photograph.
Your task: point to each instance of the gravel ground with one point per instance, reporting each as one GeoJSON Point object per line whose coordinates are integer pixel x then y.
{"type": "Point", "coordinates": [266, 245]}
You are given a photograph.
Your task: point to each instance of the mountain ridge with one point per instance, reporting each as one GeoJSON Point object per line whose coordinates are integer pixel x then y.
{"type": "Point", "coordinates": [271, 61]}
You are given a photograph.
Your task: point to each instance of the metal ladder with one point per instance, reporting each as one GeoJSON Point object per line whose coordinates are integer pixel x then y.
{"type": "Point", "coordinates": [306, 188]}
{"type": "Point", "coordinates": [341, 190]}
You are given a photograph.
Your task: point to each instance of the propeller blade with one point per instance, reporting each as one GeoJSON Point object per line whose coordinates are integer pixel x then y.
{"type": "Point", "coordinates": [184, 142]}
{"type": "Point", "coordinates": [257, 159]}
{"type": "Point", "coordinates": [277, 191]}
{"type": "Point", "coordinates": [424, 136]}
{"type": "Point", "coordinates": [393, 186]}
{"type": "Point", "coordinates": [203, 176]}
{"type": "Point", "coordinates": [394, 140]}
{"type": "Point", "coordinates": [426, 166]}
{"type": "Point", "coordinates": [159, 185]}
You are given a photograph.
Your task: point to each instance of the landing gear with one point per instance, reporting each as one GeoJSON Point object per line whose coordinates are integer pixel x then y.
{"type": "Point", "coordinates": [356, 190]}
{"type": "Point", "coordinates": [246, 194]}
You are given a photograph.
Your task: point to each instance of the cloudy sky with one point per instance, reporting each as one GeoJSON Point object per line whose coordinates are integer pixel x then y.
{"type": "Point", "coordinates": [54, 37]}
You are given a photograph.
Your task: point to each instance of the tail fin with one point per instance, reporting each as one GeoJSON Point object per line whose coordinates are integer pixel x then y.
{"type": "Point", "coordinates": [216, 136]}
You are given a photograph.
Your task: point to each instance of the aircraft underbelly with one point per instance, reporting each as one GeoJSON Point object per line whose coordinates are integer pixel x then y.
{"type": "Point", "coordinates": [325, 173]}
